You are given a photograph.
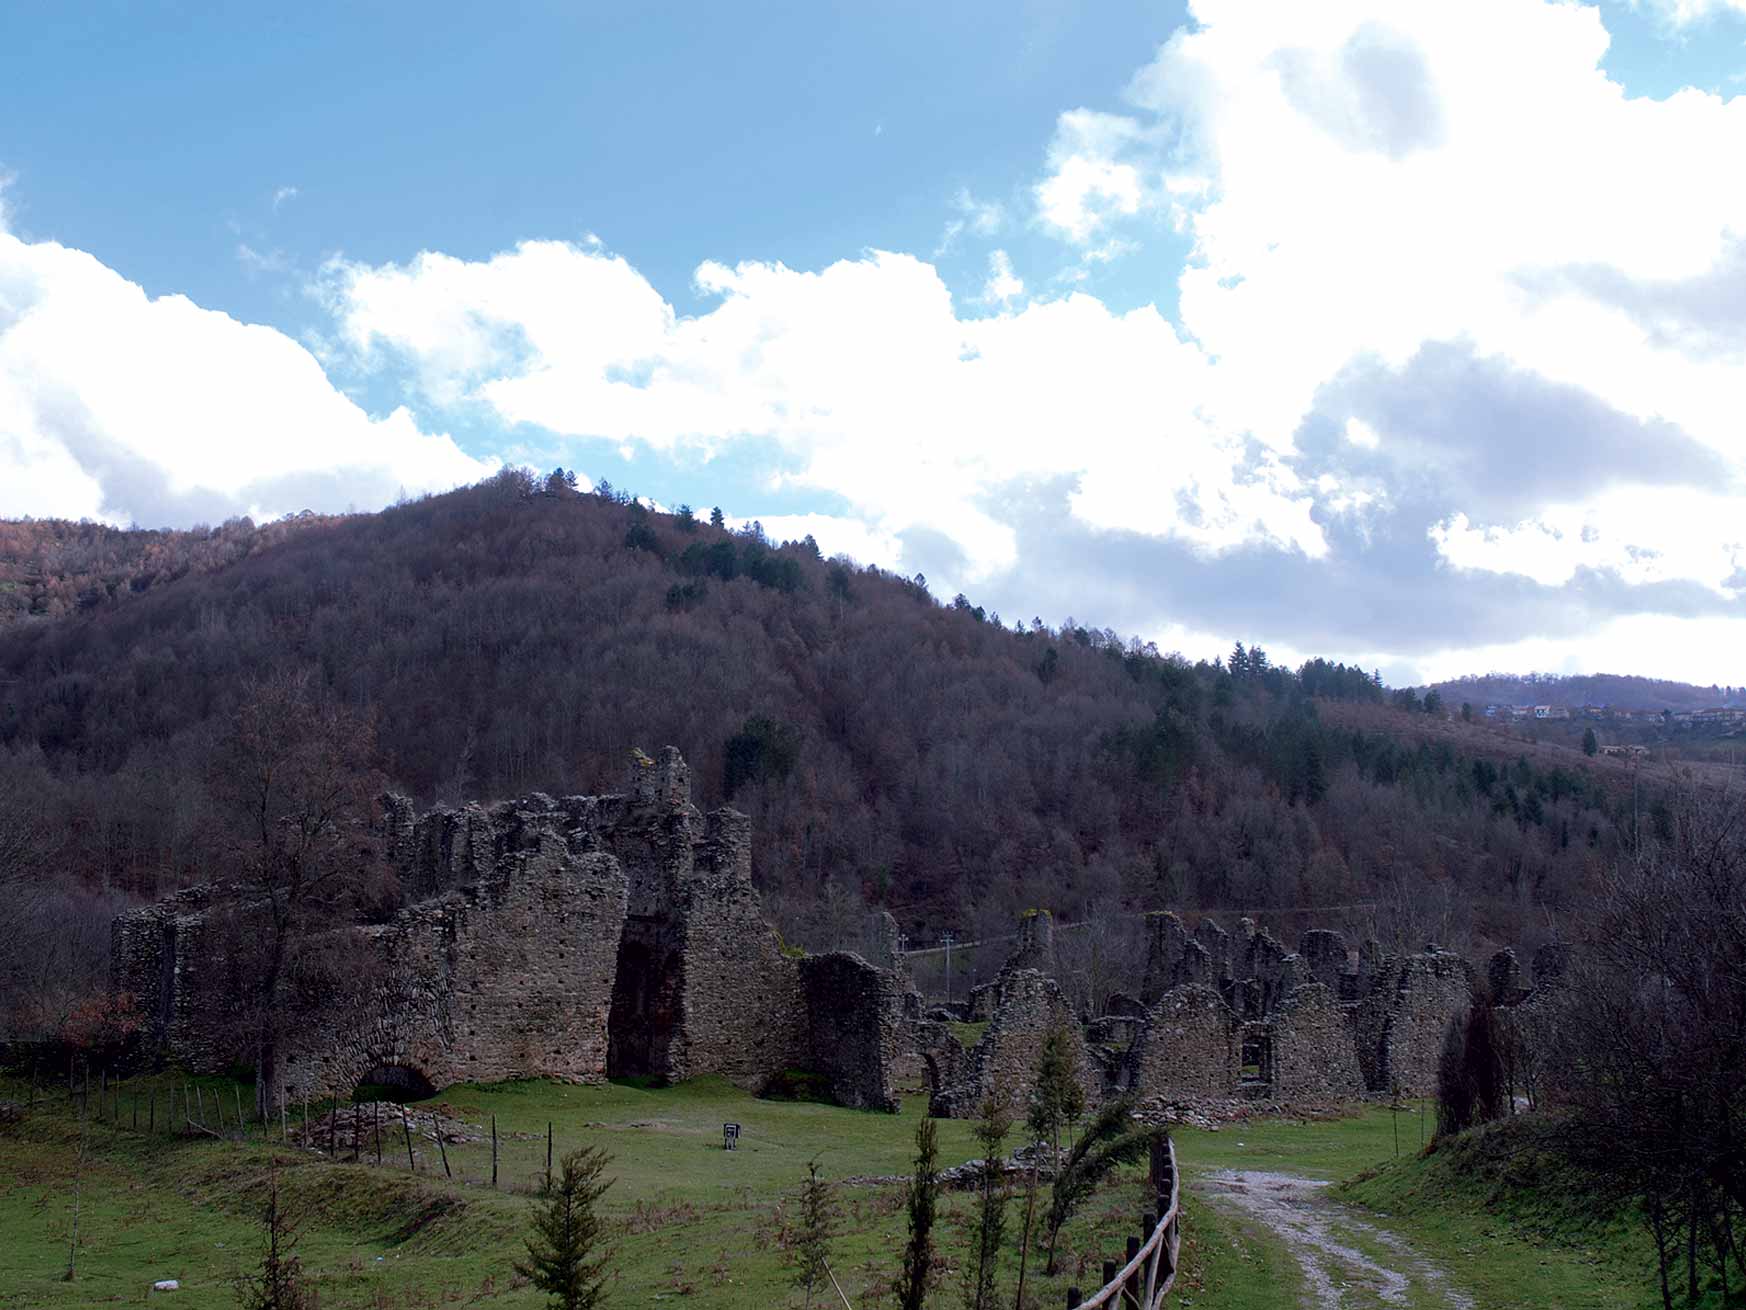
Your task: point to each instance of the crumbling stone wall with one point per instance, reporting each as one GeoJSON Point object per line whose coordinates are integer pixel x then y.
{"type": "Point", "coordinates": [1004, 1061]}
{"type": "Point", "coordinates": [170, 958]}
{"type": "Point", "coordinates": [1268, 969]}
{"type": "Point", "coordinates": [507, 977]}
{"type": "Point", "coordinates": [935, 1060]}
{"type": "Point", "coordinates": [1313, 1055]}
{"type": "Point", "coordinates": [1325, 958]}
{"type": "Point", "coordinates": [1401, 1022]}
{"type": "Point", "coordinates": [568, 938]}
{"type": "Point", "coordinates": [1321, 1025]}
{"type": "Point", "coordinates": [1503, 977]}
{"type": "Point", "coordinates": [1024, 1006]}
{"type": "Point", "coordinates": [1190, 1046]}
{"type": "Point", "coordinates": [1036, 942]}
{"type": "Point", "coordinates": [1173, 958]}
{"type": "Point", "coordinates": [856, 1027]}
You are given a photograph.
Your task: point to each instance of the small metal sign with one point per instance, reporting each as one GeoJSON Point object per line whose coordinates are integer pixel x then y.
{"type": "Point", "coordinates": [730, 1134]}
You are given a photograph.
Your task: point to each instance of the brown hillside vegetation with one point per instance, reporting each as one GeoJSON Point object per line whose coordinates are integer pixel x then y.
{"type": "Point", "coordinates": [50, 568]}
{"type": "Point", "coordinates": [891, 750]}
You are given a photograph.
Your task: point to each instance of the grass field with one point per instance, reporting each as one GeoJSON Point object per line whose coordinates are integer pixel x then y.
{"type": "Point", "coordinates": [692, 1223]}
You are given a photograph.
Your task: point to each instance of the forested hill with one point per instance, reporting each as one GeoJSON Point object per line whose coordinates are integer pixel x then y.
{"type": "Point", "coordinates": [1575, 690]}
{"type": "Point", "coordinates": [892, 749]}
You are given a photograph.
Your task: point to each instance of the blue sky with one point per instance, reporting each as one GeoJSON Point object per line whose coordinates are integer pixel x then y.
{"type": "Point", "coordinates": [1397, 332]}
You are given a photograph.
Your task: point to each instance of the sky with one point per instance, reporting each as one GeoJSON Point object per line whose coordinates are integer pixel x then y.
{"type": "Point", "coordinates": [1392, 331]}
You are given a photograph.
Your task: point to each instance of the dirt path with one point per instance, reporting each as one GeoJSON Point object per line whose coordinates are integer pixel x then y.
{"type": "Point", "coordinates": [1346, 1261]}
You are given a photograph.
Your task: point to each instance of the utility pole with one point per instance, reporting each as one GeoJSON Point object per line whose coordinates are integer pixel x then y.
{"type": "Point", "coordinates": [946, 941]}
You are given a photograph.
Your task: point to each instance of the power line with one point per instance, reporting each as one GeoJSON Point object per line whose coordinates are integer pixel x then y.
{"type": "Point", "coordinates": [1131, 914]}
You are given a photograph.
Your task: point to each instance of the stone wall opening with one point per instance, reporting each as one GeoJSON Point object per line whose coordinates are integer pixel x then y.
{"type": "Point", "coordinates": [393, 1082]}
{"type": "Point", "coordinates": [645, 1004]}
{"type": "Point", "coordinates": [931, 1073]}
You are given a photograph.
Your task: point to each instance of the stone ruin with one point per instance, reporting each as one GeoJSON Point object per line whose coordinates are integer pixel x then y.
{"type": "Point", "coordinates": [576, 938]}
{"type": "Point", "coordinates": [1023, 1005]}
{"type": "Point", "coordinates": [1225, 1015]}
{"type": "Point", "coordinates": [588, 937]}
{"type": "Point", "coordinates": [1242, 1015]}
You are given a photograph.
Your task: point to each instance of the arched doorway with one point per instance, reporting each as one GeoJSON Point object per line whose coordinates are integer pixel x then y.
{"type": "Point", "coordinates": [393, 1082]}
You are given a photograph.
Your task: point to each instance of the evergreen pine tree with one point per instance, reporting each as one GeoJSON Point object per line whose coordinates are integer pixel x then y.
{"type": "Point", "coordinates": [922, 1197]}
{"type": "Point", "coordinates": [1110, 1139]}
{"type": "Point", "coordinates": [566, 1254]}
{"type": "Point", "coordinates": [1058, 1099]}
{"type": "Point", "coordinates": [812, 1244]}
{"type": "Point", "coordinates": [982, 1269]}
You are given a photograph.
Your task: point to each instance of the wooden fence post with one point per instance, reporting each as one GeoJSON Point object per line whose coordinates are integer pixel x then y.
{"type": "Point", "coordinates": [376, 1124]}
{"type": "Point", "coordinates": [548, 1155]}
{"type": "Point", "coordinates": [357, 1130]}
{"type": "Point", "coordinates": [406, 1128]}
{"type": "Point", "coordinates": [493, 1152]}
{"type": "Point", "coordinates": [437, 1128]}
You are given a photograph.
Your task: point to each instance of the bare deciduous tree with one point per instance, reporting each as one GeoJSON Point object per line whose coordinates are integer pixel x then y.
{"type": "Point", "coordinates": [1648, 1040]}
{"type": "Point", "coordinates": [295, 772]}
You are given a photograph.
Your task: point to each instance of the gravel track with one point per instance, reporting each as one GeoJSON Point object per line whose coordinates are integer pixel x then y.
{"type": "Point", "coordinates": [1324, 1238]}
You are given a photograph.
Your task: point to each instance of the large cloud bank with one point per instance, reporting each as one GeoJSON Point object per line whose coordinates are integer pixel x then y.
{"type": "Point", "coordinates": [118, 406]}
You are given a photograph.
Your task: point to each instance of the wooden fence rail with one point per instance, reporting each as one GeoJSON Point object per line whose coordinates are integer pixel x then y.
{"type": "Point", "coordinates": [1150, 1272]}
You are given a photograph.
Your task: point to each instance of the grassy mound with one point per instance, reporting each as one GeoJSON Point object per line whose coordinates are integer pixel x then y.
{"type": "Point", "coordinates": [1505, 1194]}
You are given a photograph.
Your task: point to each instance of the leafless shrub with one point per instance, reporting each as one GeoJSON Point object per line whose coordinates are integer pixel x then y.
{"type": "Point", "coordinates": [1647, 1045]}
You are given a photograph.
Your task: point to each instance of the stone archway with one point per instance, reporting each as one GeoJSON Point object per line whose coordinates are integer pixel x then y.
{"type": "Point", "coordinates": [393, 1082]}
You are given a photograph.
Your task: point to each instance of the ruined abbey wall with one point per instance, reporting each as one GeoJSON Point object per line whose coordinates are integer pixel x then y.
{"type": "Point", "coordinates": [1312, 1051]}
{"type": "Point", "coordinates": [856, 1028]}
{"type": "Point", "coordinates": [508, 977]}
{"type": "Point", "coordinates": [1187, 1047]}
{"type": "Point", "coordinates": [1401, 1020]}
{"type": "Point", "coordinates": [1024, 1005]}
{"type": "Point", "coordinates": [571, 938]}
{"type": "Point", "coordinates": [591, 936]}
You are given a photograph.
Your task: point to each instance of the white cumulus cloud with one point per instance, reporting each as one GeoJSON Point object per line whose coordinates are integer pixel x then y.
{"type": "Point", "coordinates": [862, 372]}
{"type": "Point", "coordinates": [118, 406]}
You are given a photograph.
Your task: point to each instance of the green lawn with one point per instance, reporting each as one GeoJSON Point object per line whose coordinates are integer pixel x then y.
{"type": "Point", "coordinates": [691, 1220]}
{"type": "Point", "coordinates": [696, 1223]}
{"type": "Point", "coordinates": [1332, 1148]}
